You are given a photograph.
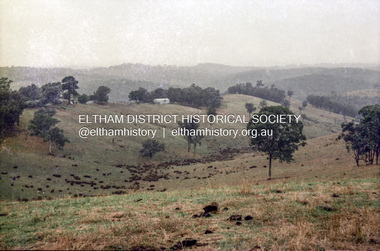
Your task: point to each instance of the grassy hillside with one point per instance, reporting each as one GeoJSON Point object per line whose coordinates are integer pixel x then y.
{"type": "Point", "coordinates": [335, 213]}
{"type": "Point", "coordinates": [99, 165]}
{"type": "Point", "coordinates": [321, 201]}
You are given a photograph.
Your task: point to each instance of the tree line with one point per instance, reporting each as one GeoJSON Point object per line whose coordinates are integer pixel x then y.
{"type": "Point", "coordinates": [327, 103]}
{"type": "Point", "coordinates": [260, 90]}
{"type": "Point", "coordinates": [34, 96]}
{"type": "Point", "coordinates": [12, 104]}
{"type": "Point", "coordinates": [193, 96]}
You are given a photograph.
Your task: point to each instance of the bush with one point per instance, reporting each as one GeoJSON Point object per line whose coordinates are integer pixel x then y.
{"type": "Point", "coordinates": [83, 99]}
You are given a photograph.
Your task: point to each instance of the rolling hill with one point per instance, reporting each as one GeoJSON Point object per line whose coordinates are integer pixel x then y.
{"type": "Point", "coordinates": [116, 161]}
{"type": "Point", "coordinates": [99, 193]}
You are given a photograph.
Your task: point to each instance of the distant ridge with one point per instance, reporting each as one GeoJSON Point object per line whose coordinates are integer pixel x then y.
{"type": "Point", "coordinates": [126, 77]}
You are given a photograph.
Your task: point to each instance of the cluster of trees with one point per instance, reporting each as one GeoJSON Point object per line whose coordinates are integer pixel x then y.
{"type": "Point", "coordinates": [193, 96]}
{"type": "Point", "coordinates": [327, 103]}
{"type": "Point", "coordinates": [43, 125]}
{"type": "Point", "coordinates": [12, 104]}
{"type": "Point", "coordinates": [11, 107]}
{"type": "Point", "coordinates": [101, 96]}
{"type": "Point", "coordinates": [34, 96]}
{"type": "Point", "coordinates": [363, 139]}
{"type": "Point", "coordinates": [260, 91]}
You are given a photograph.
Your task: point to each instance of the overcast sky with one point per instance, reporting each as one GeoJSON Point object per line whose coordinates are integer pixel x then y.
{"type": "Point", "coordinates": [86, 33]}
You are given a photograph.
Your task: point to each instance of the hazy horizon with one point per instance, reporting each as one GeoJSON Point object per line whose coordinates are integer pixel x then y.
{"type": "Point", "coordinates": [289, 66]}
{"type": "Point", "coordinates": [98, 33]}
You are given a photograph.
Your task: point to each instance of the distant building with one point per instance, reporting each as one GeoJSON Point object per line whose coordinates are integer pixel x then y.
{"type": "Point", "coordinates": [161, 101]}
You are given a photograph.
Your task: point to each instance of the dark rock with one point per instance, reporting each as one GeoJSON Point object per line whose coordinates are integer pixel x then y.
{"type": "Point", "coordinates": [225, 209]}
{"type": "Point", "coordinates": [177, 208]}
{"type": "Point", "coordinates": [236, 217]}
{"type": "Point", "coordinates": [278, 191]}
{"type": "Point", "coordinates": [238, 223]}
{"type": "Point", "coordinates": [208, 232]}
{"type": "Point", "coordinates": [3, 214]}
{"type": "Point", "coordinates": [248, 217]}
{"type": "Point", "coordinates": [195, 216]}
{"type": "Point", "coordinates": [335, 195]}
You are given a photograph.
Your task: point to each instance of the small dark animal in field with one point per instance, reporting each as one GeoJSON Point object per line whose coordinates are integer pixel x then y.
{"type": "Point", "coordinates": [184, 243]}
{"type": "Point", "coordinates": [326, 208]}
{"type": "Point", "coordinates": [212, 208]}
{"type": "Point", "coordinates": [248, 217]}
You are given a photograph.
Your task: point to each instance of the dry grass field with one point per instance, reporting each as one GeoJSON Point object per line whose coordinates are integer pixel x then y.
{"type": "Point", "coordinates": [97, 194]}
{"type": "Point", "coordinates": [333, 214]}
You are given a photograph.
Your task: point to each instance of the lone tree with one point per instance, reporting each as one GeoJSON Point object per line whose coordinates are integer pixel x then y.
{"type": "Point", "coordinates": [150, 147]}
{"type": "Point", "coordinates": [42, 125]}
{"type": "Point", "coordinates": [70, 84]}
{"type": "Point", "coordinates": [101, 95]}
{"type": "Point", "coordinates": [250, 108]}
{"type": "Point", "coordinates": [190, 135]}
{"type": "Point", "coordinates": [284, 139]}
{"type": "Point", "coordinates": [263, 103]}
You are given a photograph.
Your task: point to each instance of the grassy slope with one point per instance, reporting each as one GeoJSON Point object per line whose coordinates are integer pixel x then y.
{"type": "Point", "coordinates": [98, 156]}
{"type": "Point", "coordinates": [289, 219]}
{"type": "Point", "coordinates": [286, 215]}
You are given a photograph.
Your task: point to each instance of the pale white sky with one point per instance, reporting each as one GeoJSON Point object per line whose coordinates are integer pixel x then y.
{"type": "Point", "coordinates": [86, 33]}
